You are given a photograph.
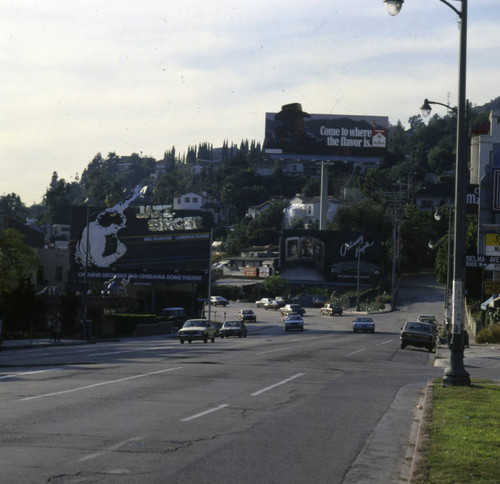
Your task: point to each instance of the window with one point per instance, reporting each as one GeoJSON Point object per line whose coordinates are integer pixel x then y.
{"type": "Point", "coordinates": [195, 199]}
{"type": "Point", "coordinates": [179, 201]}
{"type": "Point", "coordinates": [186, 199]}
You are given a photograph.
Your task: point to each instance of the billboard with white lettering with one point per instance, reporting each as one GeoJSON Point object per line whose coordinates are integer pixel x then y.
{"type": "Point", "coordinates": [330, 256]}
{"type": "Point", "coordinates": [139, 242]}
{"type": "Point", "coordinates": [331, 137]}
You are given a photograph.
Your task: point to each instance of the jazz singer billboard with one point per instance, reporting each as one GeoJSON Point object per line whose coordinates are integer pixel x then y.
{"type": "Point", "coordinates": [139, 242]}
{"type": "Point", "coordinates": [295, 133]}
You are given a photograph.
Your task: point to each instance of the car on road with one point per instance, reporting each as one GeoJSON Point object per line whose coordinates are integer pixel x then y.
{"type": "Point", "coordinates": [233, 328]}
{"type": "Point", "coordinates": [418, 333]}
{"type": "Point", "coordinates": [260, 303]}
{"type": "Point", "coordinates": [292, 308]}
{"type": "Point", "coordinates": [363, 323]}
{"type": "Point", "coordinates": [294, 321]}
{"type": "Point", "coordinates": [196, 329]}
{"type": "Point", "coordinates": [272, 304]}
{"type": "Point", "coordinates": [330, 309]}
{"type": "Point", "coordinates": [247, 315]}
{"type": "Point", "coordinates": [219, 301]}
{"type": "Point", "coordinates": [280, 300]}
{"type": "Point", "coordinates": [429, 318]}
{"type": "Point", "coordinates": [319, 301]}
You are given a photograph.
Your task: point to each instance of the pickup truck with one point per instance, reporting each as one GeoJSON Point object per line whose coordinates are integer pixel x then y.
{"type": "Point", "coordinates": [330, 310]}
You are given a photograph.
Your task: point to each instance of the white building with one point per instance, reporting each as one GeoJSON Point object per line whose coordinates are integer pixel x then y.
{"type": "Point", "coordinates": [485, 146]}
{"type": "Point", "coordinates": [307, 209]}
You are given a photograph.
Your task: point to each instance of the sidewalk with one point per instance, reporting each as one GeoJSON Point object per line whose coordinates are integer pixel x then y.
{"type": "Point", "coordinates": [18, 344]}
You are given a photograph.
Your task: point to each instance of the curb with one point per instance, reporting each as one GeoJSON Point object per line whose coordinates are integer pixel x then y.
{"type": "Point", "coordinates": [422, 434]}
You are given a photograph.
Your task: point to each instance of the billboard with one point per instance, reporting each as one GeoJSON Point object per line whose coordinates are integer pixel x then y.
{"type": "Point", "coordinates": [139, 242]}
{"type": "Point", "coordinates": [295, 133]}
{"type": "Point", "coordinates": [329, 256]}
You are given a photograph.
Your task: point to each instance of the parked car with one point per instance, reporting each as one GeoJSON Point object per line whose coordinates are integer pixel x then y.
{"type": "Point", "coordinates": [247, 315]}
{"type": "Point", "coordinates": [233, 328]}
{"type": "Point", "coordinates": [272, 304]}
{"type": "Point", "coordinates": [417, 333]}
{"type": "Point", "coordinates": [294, 321]}
{"type": "Point", "coordinates": [429, 318]}
{"type": "Point", "coordinates": [196, 329]}
{"type": "Point", "coordinates": [292, 308]}
{"type": "Point", "coordinates": [363, 324]}
{"type": "Point", "coordinates": [260, 303]}
{"type": "Point", "coordinates": [280, 300]}
{"type": "Point", "coordinates": [219, 301]}
{"type": "Point", "coordinates": [330, 309]}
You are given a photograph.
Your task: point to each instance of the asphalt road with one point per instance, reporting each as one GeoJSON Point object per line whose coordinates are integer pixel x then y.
{"type": "Point", "coordinates": [274, 407]}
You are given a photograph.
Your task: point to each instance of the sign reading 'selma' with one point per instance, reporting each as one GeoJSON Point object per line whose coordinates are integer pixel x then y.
{"type": "Point", "coordinates": [325, 136]}
{"type": "Point", "coordinates": [136, 239]}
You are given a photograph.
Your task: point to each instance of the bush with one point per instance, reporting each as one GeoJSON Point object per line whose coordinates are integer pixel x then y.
{"type": "Point", "coordinates": [490, 334]}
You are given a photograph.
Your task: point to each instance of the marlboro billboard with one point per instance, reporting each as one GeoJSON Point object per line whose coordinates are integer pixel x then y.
{"type": "Point", "coordinates": [295, 133]}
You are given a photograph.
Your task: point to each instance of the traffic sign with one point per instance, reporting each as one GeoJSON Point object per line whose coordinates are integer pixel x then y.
{"type": "Point", "coordinates": [488, 262]}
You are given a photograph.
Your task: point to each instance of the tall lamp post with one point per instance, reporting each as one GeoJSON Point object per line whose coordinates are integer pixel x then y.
{"type": "Point", "coordinates": [456, 375]}
{"type": "Point", "coordinates": [212, 231]}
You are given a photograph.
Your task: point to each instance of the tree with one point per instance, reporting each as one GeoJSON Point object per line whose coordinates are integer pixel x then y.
{"type": "Point", "coordinates": [275, 285]}
{"type": "Point", "coordinates": [17, 260]}
{"type": "Point", "coordinates": [12, 207]}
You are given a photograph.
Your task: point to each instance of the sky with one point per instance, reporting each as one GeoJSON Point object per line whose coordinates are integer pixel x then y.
{"type": "Point", "coordinates": [83, 77]}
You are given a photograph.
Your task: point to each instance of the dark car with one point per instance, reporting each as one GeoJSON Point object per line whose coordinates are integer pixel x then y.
{"type": "Point", "coordinates": [417, 333]}
{"type": "Point", "coordinates": [247, 315]}
{"type": "Point", "coordinates": [292, 308]}
{"type": "Point", "coordinates": [233, 328]}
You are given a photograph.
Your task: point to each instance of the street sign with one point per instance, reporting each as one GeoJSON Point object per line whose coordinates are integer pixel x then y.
{"type": "Point", "coordinates": [488, 262]}
{"type": "Point", "coordinates": [491, 287]}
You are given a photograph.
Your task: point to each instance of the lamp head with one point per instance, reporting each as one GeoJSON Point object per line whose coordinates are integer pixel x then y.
{"type": "Point", "coordinates": [426, 108]}
{"type": "Point", "coordinates": [393, 7]}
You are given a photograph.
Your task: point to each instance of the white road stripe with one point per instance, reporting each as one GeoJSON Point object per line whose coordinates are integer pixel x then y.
{"type": "Point", "coordinates": [277, 384]}
{"type": "Point", "coordinates": [100, 384]}
{"type": "Point", "coordinates": [357, 351]}
{"type": "Point", "coordinates": [201, 414]}
{"type": "Point", "coordinates": [14, 375]}
{"type": "Point", "coordinates": [273, 351]}
{"type": "Point", "coordinates": [112, 448]}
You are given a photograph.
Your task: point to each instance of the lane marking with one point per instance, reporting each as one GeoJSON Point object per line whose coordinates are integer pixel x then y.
{"type": "Point", "coordinates": [206, 412]}
{"type": "Point", "coordinates": [277, 384]}
{"type": "Point", "coordinates": [110, 382]}
{"type": "Point", "coordinates": [273, 351]}
{"type": "Point", "coordinates": [112, 448]}
{"type": "Point", "coordinates": [386, 342]}
{"type": "Point", "coordinates": [34, 372]}
{"type": "Point", "coordinates": [357, 351]}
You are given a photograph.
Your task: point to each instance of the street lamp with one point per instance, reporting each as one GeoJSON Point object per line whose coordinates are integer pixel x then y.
{"type": "Point", "coordinates": [426, 108]}
{"type": "Point", "coordinates": [456, 375]}
{"type": "Point", "coordinates": [212, 231]}
{"type": "Point", "coordinates": [437, 216]}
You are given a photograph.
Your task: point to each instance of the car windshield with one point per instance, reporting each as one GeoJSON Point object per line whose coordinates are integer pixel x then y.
{"type": "Point", "coordinates": [364, 320]}
{"type": "Point", "coordinates": [247, 312]}
{"type": "Point", "coordinates": [191, 324]}
{"type": "Point", "coordinates": [231, 324]}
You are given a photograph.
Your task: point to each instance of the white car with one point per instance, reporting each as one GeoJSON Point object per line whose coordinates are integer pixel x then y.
{"type": "Point", "coordinates": [365, 324]}
{"type": "Point", "coordinates": [219, 301]}
{"type": "Point", "coordinates": [262, 302]}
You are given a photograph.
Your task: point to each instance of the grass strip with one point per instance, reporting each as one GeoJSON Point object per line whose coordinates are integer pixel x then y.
{"type": "Point", "coordinates": [463, 435]}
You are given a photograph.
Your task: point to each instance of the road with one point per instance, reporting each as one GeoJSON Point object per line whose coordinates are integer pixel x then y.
{"type": "Point", "coordinates": [275, 406]}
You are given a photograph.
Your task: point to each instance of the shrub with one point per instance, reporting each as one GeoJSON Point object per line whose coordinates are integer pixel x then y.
{"type": "Point", "coordinates": [490, 334]}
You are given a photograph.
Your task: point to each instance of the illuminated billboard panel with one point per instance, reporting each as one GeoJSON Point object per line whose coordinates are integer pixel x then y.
{"type": "Point", "coordinates": [139, 242]}
{"type": "Point", "coordinates": [295, 133]}
{"type": "Point", "coordinates": [329, 256]}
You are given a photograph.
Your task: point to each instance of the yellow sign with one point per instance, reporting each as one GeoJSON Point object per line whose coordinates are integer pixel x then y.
{"type": "Point", "coordinates": [492, 244]}
{"type": "Point", "coordinates": [491, 287]}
